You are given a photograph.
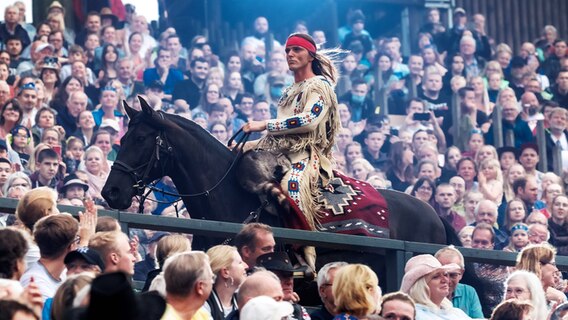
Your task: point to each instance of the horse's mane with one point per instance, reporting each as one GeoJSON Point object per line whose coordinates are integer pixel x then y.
{"type": "Point", "coordinates": [200, 134]}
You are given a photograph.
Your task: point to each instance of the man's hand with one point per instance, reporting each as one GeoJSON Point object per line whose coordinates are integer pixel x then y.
{"type": "Point", "coordinates": [254, 126]}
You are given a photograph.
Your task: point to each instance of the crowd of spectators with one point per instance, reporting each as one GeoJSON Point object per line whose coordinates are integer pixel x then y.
{"type": "Point", "coordinates": [61, 120]}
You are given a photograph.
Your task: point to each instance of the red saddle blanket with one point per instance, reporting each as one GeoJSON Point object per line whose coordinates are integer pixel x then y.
{"type": "Point", "coordinates": [349, 206]}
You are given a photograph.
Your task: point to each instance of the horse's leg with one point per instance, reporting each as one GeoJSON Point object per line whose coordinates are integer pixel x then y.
{"type": "Point", "coordinates": [412, 219]}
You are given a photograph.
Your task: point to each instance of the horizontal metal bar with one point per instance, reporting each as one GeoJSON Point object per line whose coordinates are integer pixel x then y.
{"type": "Point", "coordinates": [220, 229]}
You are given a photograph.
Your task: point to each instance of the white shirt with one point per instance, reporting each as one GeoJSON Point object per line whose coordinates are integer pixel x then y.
{"type": "Point", "coordinates": [46, 283]}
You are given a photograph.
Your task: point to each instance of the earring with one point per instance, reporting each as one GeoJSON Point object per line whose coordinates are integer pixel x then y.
{"type": "Point", "coordinates": [227, 282]}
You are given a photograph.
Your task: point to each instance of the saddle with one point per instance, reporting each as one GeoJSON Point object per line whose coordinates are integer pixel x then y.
{"type": "Point", "coordinates": [348, 206]}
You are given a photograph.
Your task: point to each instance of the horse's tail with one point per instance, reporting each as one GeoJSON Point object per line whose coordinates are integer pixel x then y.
{"type": "Point", "coordinates": [274, 191]}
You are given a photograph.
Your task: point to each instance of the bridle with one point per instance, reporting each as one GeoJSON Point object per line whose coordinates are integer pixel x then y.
{"type": "Point", "coordinates": [163, 149]}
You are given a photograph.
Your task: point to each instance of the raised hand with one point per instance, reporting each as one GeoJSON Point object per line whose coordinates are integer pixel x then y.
{"type": "Point", "coordinates": [87, 222]}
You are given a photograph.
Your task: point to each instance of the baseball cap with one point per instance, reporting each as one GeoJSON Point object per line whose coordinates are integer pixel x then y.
{"type": "Point", "coordinates": [459, 10]}
{"type": "Point", "coordinates": [158, 235]}
{"type": "Point", "coordinates": [90, 255]}
{"type": "Point", "coordinates": [42, 46]}
{"type": "Point", "coordinates": [110, 123]}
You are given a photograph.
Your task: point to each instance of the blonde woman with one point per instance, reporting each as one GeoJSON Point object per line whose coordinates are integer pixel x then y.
{"type": "Point", "coordinates": [56, 21]}
{"type": "Point", "coordinates": [515, 171]}
{"type": "Point", "coordinates": [426, 281]}
{"type": "Point", "coordinates": [356, 292]}
{"type": "Point", "coordinates": [230, 271]}
{"type": "Point", "coordinates": [217, 76]}
{"type": "Point", "coordinates": [482, 101]}
{"type": "Point", "coordinates": [541, 260]}
{"type": "Point", "coordinates": [490, 179]}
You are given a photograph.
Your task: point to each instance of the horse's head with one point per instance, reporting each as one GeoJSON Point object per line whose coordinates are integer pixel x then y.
{"type": "Point", "coordinates": [143, 150]}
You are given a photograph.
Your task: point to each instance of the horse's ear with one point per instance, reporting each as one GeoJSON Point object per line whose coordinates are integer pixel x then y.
{"type": "Point", "coordinates": [129, 111]}
{"type": "Point", "coordinates": [156, 116]}
{"type": "Point", "coordinates": [149, 111]}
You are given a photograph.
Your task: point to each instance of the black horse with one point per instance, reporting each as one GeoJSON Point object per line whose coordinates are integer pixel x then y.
{"type": "Point", "coordinates": [159, 144]}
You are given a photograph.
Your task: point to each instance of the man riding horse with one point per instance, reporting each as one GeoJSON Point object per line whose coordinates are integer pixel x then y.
{"type": "Point", "coordinates": [306, 124]}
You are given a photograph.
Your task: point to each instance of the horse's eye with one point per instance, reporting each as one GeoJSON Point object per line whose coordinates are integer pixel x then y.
{"type": "Point", "coordinates": [140, 139]}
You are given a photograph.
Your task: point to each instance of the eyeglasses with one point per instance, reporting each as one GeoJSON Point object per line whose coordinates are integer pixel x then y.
{"type": "Point", "coordinates": [454, 275]}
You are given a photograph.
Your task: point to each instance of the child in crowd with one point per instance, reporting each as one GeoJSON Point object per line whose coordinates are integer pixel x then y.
{"type": "Point", "coordinates": [519, 238]}
{"type": "Point", "coordinates": [20, 141]}
{"type": "Point", "coordinates": [465, 235]}
{"type": "Point", "coordinates": [490, 179]}
{"type": "Point", "coordinates": [74, 154]}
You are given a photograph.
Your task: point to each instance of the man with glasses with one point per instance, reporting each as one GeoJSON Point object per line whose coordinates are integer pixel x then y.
{"type": "Point", "coordinates": [538, 233]}
{"type": "Point", "coordinates": [326, 275]}
{"type": "Point", "coordinates": [55, 38]}
{"type": "Point", "coordinates": [260, 112]}
{"type": "Point", "coordinates": [462, 295]}
{"type": "Point", "coordinates": [244, 108]}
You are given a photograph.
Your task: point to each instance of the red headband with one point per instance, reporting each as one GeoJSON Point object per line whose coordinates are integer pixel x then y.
{"type": "Point", "coordinates": [300, 42]}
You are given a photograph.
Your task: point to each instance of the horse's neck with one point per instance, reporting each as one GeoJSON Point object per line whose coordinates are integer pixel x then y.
{"type": "Point", "coordinates": [214, 194]}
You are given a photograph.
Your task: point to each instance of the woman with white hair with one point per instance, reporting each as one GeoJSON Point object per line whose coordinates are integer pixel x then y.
{"type": "Point", "coordinates": [426, 281]}
{"type": "Point", "coordinates": [525, 286]}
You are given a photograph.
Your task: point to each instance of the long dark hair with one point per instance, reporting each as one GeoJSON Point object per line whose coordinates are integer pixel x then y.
{"type": "Point", "coordinates": [16, 106]}
{"type": "Point", "coordinates": [324, 63]}
{"type": "Point", "coordinates": [60, 98]}
{"type": "Point", "coordinates": [419, 184]}
{"type": "Point", "coordinates": [396, 153]}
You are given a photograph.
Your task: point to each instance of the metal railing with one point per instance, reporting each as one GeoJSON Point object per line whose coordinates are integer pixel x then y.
{"type": "Point", "coordinates": [397, 251]}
